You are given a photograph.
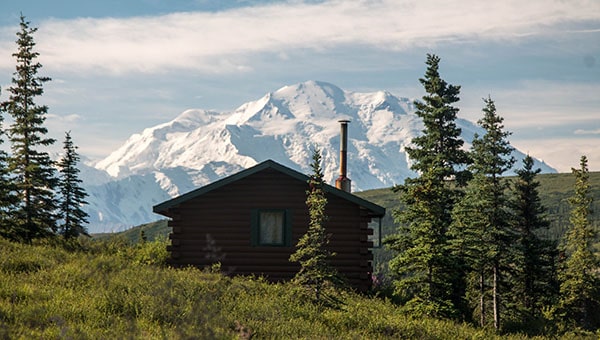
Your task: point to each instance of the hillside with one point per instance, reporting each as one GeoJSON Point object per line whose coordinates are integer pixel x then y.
{"type": "Point", "coordinates": [554, 190]}
{"type": "Point", "coordinates": [108, 290]}
{"type": "Point", "coordinates": [157, 230]}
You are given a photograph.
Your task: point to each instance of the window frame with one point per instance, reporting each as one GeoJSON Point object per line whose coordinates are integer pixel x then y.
{"type": "Point", "coordinates": [255, 228]}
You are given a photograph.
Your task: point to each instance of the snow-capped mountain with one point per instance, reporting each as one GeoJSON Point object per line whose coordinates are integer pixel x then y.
{"type": "Point", "coordinates": [200, 146]}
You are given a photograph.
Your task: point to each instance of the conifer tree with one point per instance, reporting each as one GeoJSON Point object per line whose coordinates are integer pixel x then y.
{"type": "Point", "coordinates": [579, 300]}
{"type": "Point", "coordinates": [31, 168]}
{"type": "Point", "coordinates": [311, 250]}
{"type": "Point", "coordinates": [481, 229]}
{"type": "Point", "coordinates": [72, 195]}
{"type": "Point", "coordinates": [426, 275]}
{"type": "Point", "coordinates": [535, 283]}
{"type": "Point", "coordinates": [7, 196]}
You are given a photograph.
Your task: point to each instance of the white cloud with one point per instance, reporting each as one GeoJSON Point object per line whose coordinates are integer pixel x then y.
{"type": "Point", "coordinates": [587, 132]}
{"type": "Point", "coordinates": [562, 153]}
{"type": "Point", "coordinates": [219, 42]}
{"type": "Point", "coordinates": [57, 125]}
{"type": "Point", "coordinates": [72, 118]}
{"type": "Point", "coordinates": [540, 103]}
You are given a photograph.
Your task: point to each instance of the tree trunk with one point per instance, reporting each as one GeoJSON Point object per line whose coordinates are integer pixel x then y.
{"type": "Point", "coordinates": [481, 299]}
{"type": "Point", "coordinates": [496, 297]}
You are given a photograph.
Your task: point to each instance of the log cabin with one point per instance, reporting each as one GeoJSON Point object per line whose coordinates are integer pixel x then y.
{"type": "Point", "coordinates": [251, 221]}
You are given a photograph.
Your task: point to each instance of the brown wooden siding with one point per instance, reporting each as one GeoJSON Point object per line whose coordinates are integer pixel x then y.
{"type": "Point", "coordinates": [216, 226]}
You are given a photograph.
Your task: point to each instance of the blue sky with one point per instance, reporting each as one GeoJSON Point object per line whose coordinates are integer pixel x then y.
{"type": "Point", "coordinates": [120, 66]}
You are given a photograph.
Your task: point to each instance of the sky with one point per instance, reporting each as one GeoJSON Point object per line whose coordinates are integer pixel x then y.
{"type": "Point", "coordinates": [118, 67]}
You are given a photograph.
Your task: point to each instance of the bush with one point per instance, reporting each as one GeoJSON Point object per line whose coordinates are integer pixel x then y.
{"type": "Point", "coordinates": [152, 253]}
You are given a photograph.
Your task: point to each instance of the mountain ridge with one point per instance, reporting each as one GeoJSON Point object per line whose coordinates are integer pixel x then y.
{"type": "Point", "coordinates": [200, 146]}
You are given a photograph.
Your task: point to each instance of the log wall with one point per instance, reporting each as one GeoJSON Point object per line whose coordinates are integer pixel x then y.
{"type": "Point", "coordinates": [216, 227]}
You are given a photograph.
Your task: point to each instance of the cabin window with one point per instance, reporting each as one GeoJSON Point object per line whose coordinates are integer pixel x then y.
{"type": "Point", "coordinates": [271, 227]}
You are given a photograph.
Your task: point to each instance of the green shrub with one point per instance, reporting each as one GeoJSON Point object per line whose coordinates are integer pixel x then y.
{"type": "Point", "coordinates": [152, 253]}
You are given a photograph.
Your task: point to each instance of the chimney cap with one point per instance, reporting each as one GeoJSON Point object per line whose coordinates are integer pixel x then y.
{"type": "Point", "coordinates": [344, 121]}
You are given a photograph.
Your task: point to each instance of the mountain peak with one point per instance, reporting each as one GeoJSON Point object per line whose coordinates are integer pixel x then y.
{"type": "Point", "coordinates": [313, 88]}
{"type": "Point", "coordinates": [199, 146]}
{"type": "Point", "coordinates": [195, 117]}
{"type": "Point", "coordinates": [312, 100]}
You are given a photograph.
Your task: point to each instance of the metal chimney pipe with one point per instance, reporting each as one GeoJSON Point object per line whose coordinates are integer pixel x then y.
{"type": "Point", "coordinates": [343, 182]}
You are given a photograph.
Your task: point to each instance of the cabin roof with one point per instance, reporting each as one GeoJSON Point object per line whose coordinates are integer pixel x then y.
{"type": "Point", "coordinates": [163, 208]}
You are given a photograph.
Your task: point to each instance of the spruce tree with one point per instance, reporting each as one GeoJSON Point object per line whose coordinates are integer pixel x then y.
{"type": "Point", "coordinates": [72, 195]}
{"type": "Point", "coordinates": [311, 250]}
{"type": "Point", "coordinates": [579, 300]}
{"type": "Point", "coordinates": [31, 168]}
{"type": "Point", "coordinates": [481, 228]}
{"type": "Point", "coordinates": [535, 283]}
{"type": "Point", "coordinates": [427, 277]}
{"type": "Point", "coordinates": [7, 195]}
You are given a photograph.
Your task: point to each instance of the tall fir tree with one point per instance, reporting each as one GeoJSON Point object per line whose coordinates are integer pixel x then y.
{"type": "Point", "coordinates": [72, 195]}
{"type": "Point", "coordinates": [579, 299]}
{"type": "Point", "coordinates": [481, 227]}
{"type": "Point", "coordinates": [311, 250]}
{"type": "Point", "coordinates": [427, 277]}
{"type": "Point", "coordinates": [31, 168]}
{"type": "Point", "coordinates": [535, 284]}
{"type": "Point", "coordinates": [8, 199]}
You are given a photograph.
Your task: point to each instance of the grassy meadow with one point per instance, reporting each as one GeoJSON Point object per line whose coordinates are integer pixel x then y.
{"type": "Point", "coordinates": [114, 290]}
{"type": "Point", "coordinates": [118, 286]}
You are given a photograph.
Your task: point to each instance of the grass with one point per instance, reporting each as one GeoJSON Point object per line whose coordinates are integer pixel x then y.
{"type": "Point", "coordinates": [109, 289]}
